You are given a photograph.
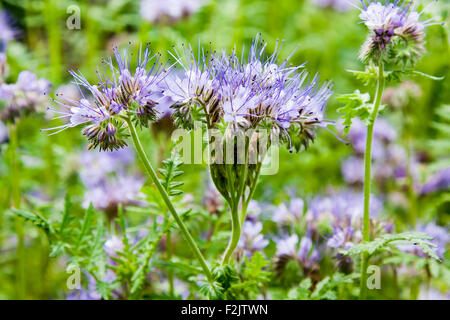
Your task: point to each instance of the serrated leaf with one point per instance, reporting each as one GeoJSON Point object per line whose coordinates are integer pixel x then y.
{"type": "Point", "coordinates": [356, 105]}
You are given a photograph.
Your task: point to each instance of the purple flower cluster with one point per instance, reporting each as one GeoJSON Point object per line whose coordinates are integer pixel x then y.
{"type": "Point", "coordinates": [302, 250]}
{"type": "Point", "coordinates": [438, 181]}
{"type": "Point", "coordinates": [249, 92]}
{"type": "Point", "coordinates": [389, 159]}
{"type": "Point", "coordinates": [23, 97]}
{"type": "Point", "coordinates": [107, 181]}
{"type": "Point", "coordinates": [171, 11]}
{"type": "Point", "coordinates": [289, 214]}
{"type": "Point", "coordinates": [392, 24]}
{"type": "Point", "coordinates": [343, 212]}
{"type": "Point", "coordinates": [393, 18]}
{"type": "Point", "coordinates": [251, 238]}
{"type": "Point", "coordinates": [120, 92]}
{"type": "Point", "coordinates": [341, 207]}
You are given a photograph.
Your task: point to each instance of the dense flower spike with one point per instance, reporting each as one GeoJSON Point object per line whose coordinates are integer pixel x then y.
{"type": "Point", "coordinates": [120, 92]}
{"type": "Point", "coordinates": [393, 23]}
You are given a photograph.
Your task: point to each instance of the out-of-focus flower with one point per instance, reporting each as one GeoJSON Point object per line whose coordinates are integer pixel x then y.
{"type": "Point", "coordinates": [89, 293]}
{"type": "Point", "coordinates": [23, 97]}
{"type": "Point", "coordinates": [108, 182]}
{"type": "Point", "coordinates": [383, 134]}
{"type": "Point", "coordinates": [287, 215]}
{"type": "Point", "coordinates": [341, 206]}
{"type": "Point", "coordinates": [7, 31]}
{"type": "Point", "coordinates": [427, 293]}
{"type": "Point", "coordinates": [338, 5]}
{"type": "Point", "coordinates": [303, 251]}
{"type": "Point", "coordinates": [212, 199]}
{"type": "Point", "coordinates": [112, 246]}
{"type": "Point", "coordinates": [390, 160]}
{"type": "Point", "coordinates": [251, 238]}
{"type": "Point", "coordinates": [343, 237]}
{"type": "Point", "coordinates": [254, 211]}
{"type": "Point", "coordinates": [438, 181]}
{"type": "Point", "coordinates": [402, 95]}
{"type": "Point", "coordinates": [440, 236]}
{"type": "Point", "coordinates": [3, 133]}
{"type": "Point", "coordinates": [171, 11]}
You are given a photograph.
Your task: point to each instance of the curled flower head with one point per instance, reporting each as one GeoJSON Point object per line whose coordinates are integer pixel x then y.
{"type": "Point", "coordinates": [120, 92]}
{"type": "Point", "coordinates": [393, 24]}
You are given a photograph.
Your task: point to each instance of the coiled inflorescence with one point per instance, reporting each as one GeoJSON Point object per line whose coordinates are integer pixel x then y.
{"type": "Point", "coordinates": [119, 93]}
{"type": "Point", "coordinates": [248, 93]}
{"type": "Point", "coordinates": [393, 24]}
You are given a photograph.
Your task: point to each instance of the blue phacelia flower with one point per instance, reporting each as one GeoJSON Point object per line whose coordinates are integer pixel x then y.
{"type": "Point", "coordinates": [393, 20]}
{"type": "Point", "coordinates": [120, 91]}
{"type": "Point", "coordinates": [250, 92]}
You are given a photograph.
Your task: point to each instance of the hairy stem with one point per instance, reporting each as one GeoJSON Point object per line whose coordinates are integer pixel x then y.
{"type": "Point", "coordinates": [151, 172]}
{"type": "Point", "coordinates": [367, 178]}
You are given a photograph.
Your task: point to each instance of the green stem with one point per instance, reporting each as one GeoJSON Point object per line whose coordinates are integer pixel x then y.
{"type": "Point", "coordinates": [151, 172]}
{"type": "Point", "coordinates": [16, 201]}
{"type": "Point", "coordinates": [245, 202]}
{"type": "Point", "coordinates": [235, 235]}
{"type": "Point", "coordinates": [235, 220]}
{"type": "Point", "coordinates": [367, 178]}
{"type": "Point", "coordinates": [169, 257]}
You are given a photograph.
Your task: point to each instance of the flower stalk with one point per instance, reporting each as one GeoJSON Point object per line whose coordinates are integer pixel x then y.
{"type": "Point", "coordinates": [367, 177]}
{"type": "Point", "coordinates": [151, 172]}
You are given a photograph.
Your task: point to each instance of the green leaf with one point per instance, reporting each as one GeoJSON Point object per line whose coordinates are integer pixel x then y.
{"type": "Point", "coordinates": [37, 219]}
{"type": "Point", "coordinates": [356, 105]}
{"type": "Point", "coordinates": [386, 241]}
